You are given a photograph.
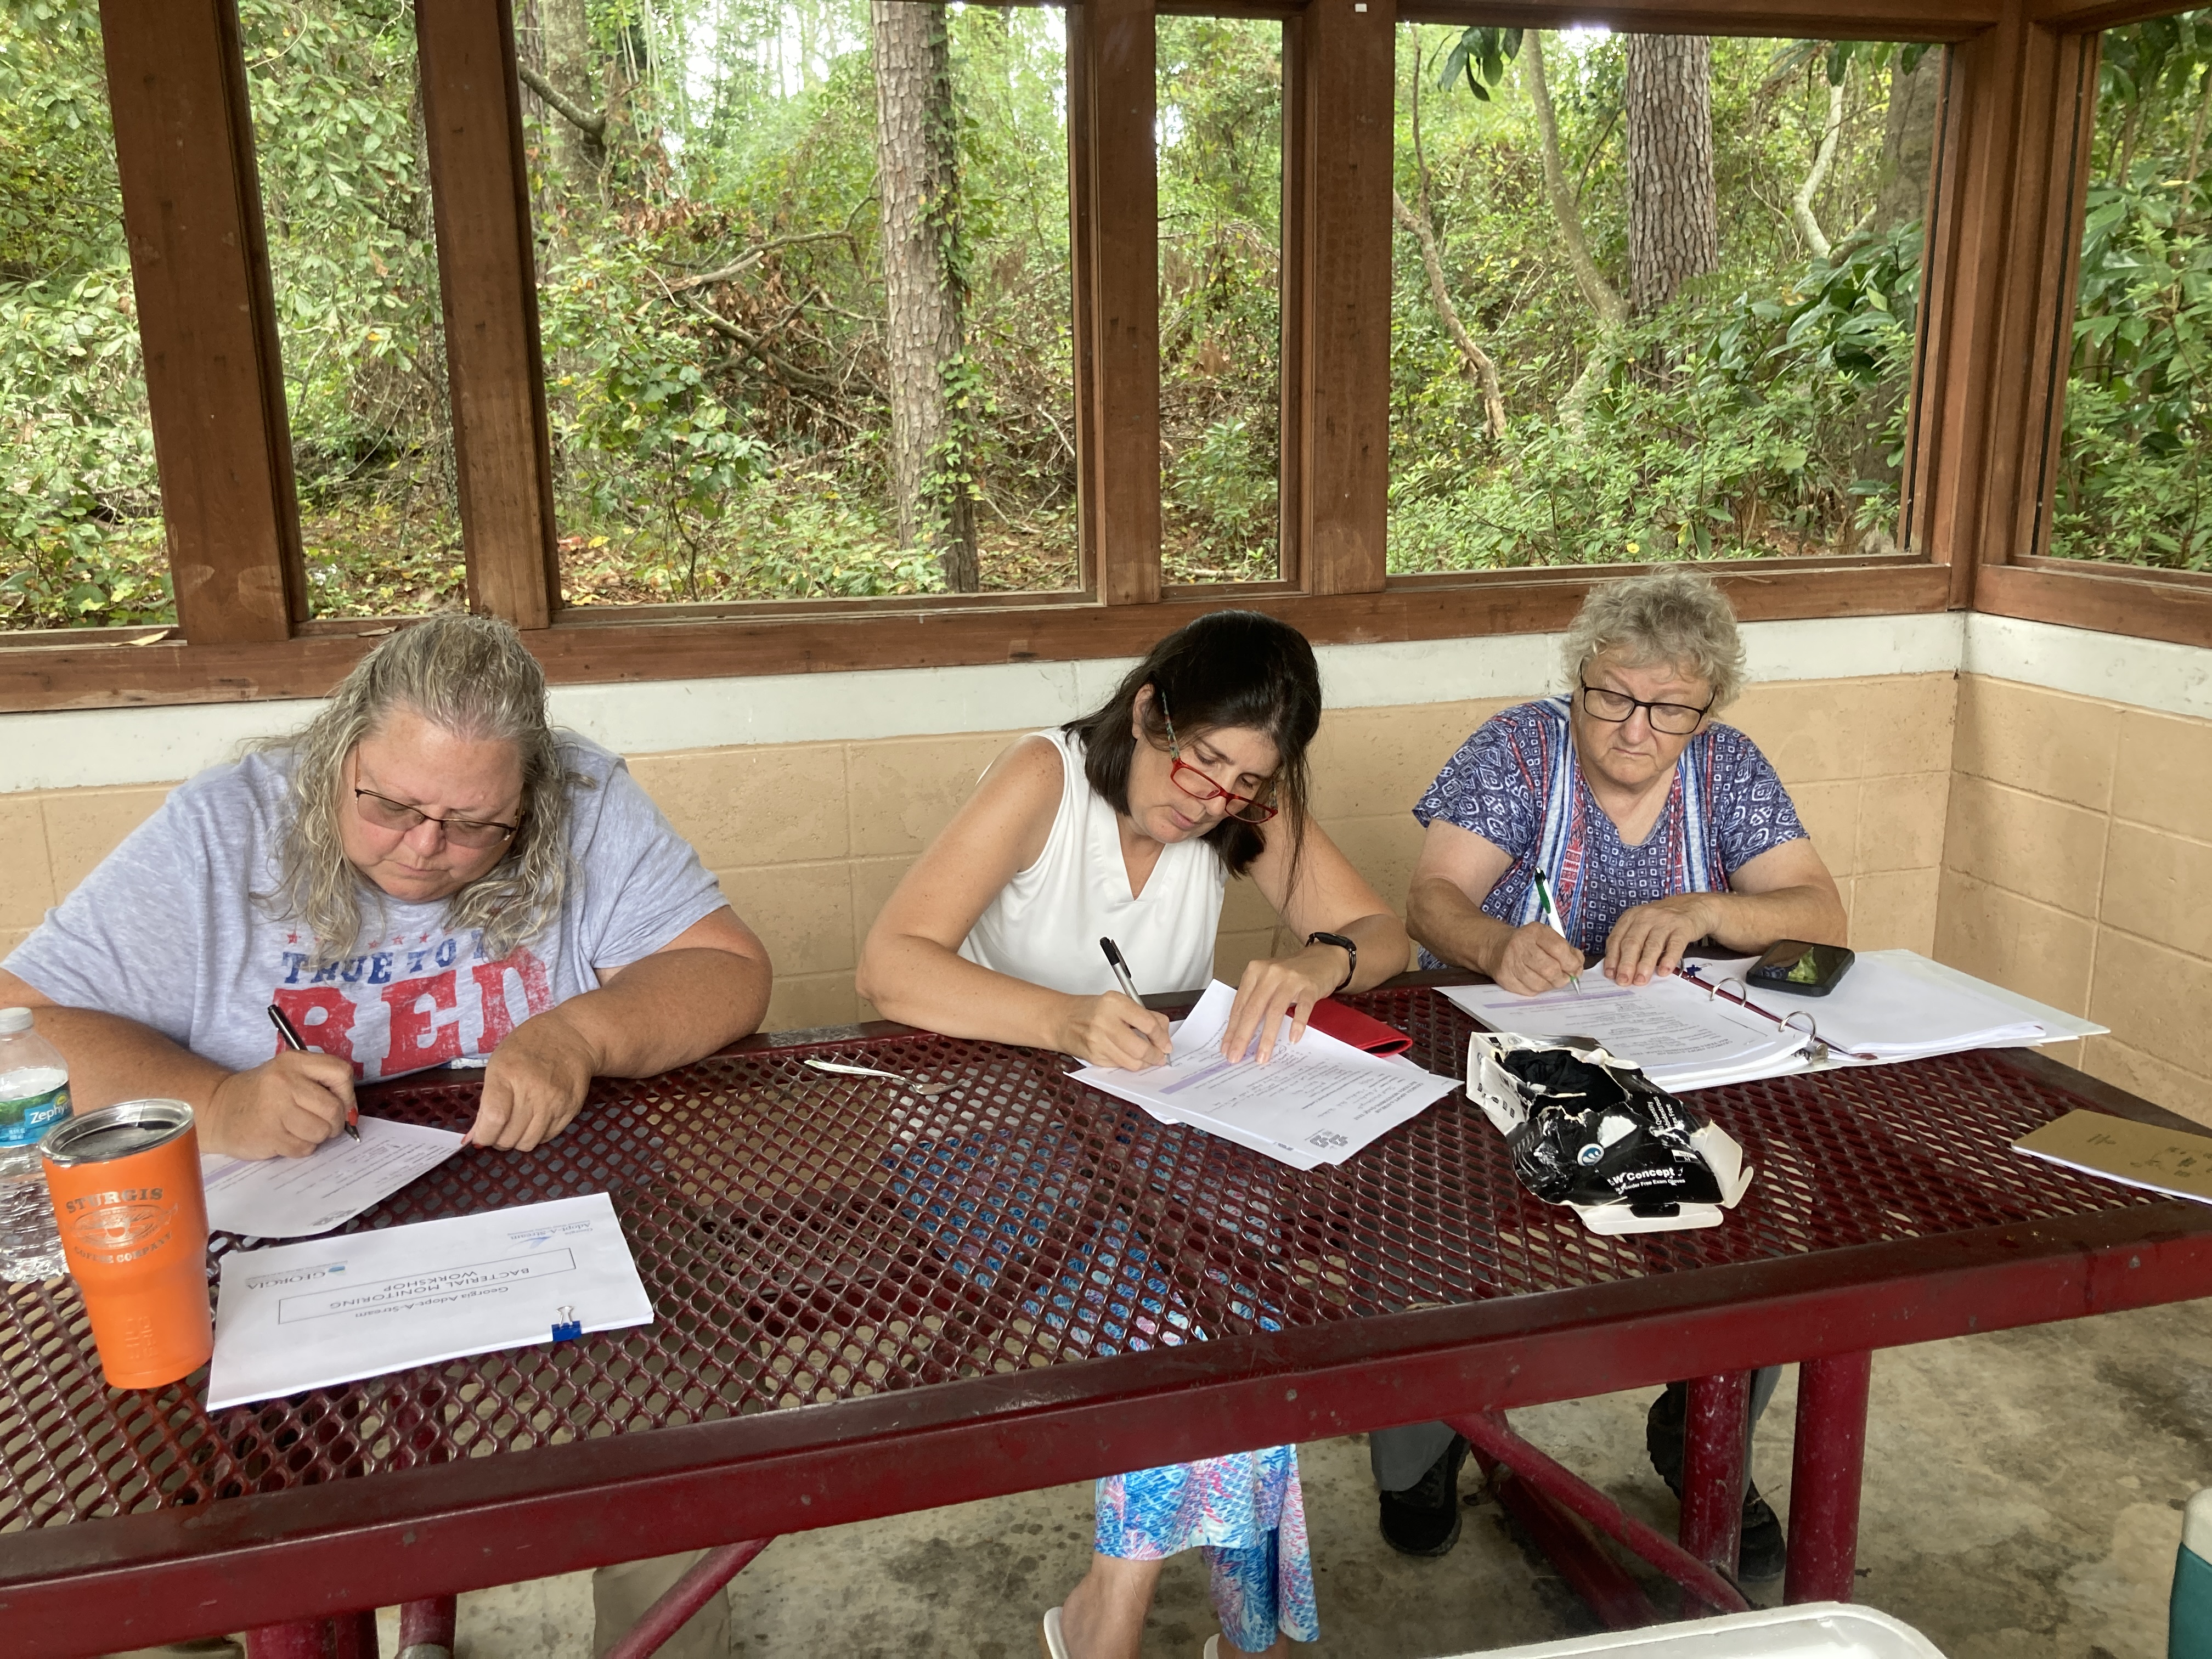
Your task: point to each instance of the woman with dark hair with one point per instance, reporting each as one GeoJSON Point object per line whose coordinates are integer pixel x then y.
{"type": "Point", "coordinates": [1126, 824]}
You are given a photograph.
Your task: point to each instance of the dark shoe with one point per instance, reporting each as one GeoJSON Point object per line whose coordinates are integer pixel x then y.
{"type": "Point", "coordinates": [1766, 1550]}
{"type": "Point", "coordinates": [1423, 1518]}
{"type": "Point", "coordinates": [1663, 1434]}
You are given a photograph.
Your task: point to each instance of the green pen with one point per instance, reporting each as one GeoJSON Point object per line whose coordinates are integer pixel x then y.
{"type": "Point", "coordinates": [1550, 914]}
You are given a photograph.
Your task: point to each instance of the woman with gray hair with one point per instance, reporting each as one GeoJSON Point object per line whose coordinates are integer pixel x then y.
{"type": "Point", "coordinates": [1650, 827]}
{"type": "Point", "coordinates": [428, 873]}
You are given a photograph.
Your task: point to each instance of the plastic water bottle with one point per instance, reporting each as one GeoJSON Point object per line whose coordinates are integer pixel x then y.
{"type": "Point", "coordinates": [33, 1097]}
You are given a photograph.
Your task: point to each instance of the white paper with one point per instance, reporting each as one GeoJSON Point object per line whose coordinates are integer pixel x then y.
{"type": "Point", "coordinates": [1898, 1005]}
{"type": "Point", "coordinates": [297, 1316]}
{"type": "Point", "coordinates": [1679, 1035]}
{"type": "Point", "coordinates": [1317, 1101]}
{"type": "Point", "coordinates": [295, 1197]}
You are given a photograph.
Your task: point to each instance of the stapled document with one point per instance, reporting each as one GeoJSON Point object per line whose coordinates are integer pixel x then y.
{"type": "Point", "coordinates": [1317, 1101]}
{"type": "Point", "coordinates": [298, 1316]}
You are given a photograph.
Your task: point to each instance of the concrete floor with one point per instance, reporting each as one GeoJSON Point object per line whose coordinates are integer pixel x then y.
{"type": "Point", "coordinates": [2022, 1501]}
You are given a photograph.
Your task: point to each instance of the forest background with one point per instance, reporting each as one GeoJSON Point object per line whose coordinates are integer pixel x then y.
{"type": "Point", "coordinates": [804, 300]}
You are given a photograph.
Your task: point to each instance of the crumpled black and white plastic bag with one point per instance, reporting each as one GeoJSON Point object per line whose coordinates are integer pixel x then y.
{"type": "Point", "coordinates": [1593, 1132]}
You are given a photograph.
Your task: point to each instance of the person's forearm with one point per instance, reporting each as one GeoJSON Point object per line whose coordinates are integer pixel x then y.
{"type": "Point", "coordinates": [920, 981]}
{"type": "Point", "coordinates": [1751, 921]}
{"type": "Point", "coordinates": [1453, 927]}
{"type": "Point", "coordinates": [111, 1059]}
{"type": "Point", "coordinates": [1383, 948]}
{"type": "Point", "coordinates": [668, 1009]}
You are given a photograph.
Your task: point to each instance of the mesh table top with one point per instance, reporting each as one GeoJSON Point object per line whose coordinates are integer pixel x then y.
{"type": "Point", "coordinates": [808, 1239]}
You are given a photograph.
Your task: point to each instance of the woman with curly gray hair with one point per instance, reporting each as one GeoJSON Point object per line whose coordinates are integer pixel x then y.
{"type": "Point", "coordinates": [427, 872]}
{"type": "Point", "coordinates": [1617, 822]}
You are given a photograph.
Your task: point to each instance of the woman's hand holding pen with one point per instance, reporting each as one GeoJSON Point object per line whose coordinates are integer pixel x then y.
{"type": "Point", "coordinates": [1533, 959]}
{"type": "Point", "coordinates": [1110, 1030]}
{"type": "Point", "coordinates": [283, 1107]}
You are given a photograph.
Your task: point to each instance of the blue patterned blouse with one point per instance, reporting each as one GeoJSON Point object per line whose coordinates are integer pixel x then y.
{"type": "Point", "coordinates": [1515, 783]}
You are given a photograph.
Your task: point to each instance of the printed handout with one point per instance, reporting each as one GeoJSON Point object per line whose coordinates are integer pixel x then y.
{"type": "Point", "coordinates": [297, 1316]}
{"type": "Point", "coordinates": [1317, 1101]}
{"type": "Point", "coordinates": [298, 1197]}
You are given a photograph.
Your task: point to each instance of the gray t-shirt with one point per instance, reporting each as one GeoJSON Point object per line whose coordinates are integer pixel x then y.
{"type": "Point", "coordinates": [168, 931]}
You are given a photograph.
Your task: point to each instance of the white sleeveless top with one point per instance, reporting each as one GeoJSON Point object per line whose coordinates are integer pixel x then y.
{"type": "Point", "coordinates": [1045, 925]}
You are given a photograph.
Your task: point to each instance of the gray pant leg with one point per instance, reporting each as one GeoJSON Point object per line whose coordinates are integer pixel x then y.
{"type": "Point", "coordinates": [1764, 1381]}
{"type": "Point", "coordinates": [1400, 1456]}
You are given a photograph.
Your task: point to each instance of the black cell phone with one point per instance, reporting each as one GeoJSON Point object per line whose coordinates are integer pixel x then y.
{"type": "Point", "coordinates": [1802, 970]}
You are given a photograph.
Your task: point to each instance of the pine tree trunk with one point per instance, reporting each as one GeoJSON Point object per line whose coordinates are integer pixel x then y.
{"type": "Point", "coordinates": [1908, 142]}
{"type": "Point", "coordinates": [565, 42]}
{"type": "Point", "coordinates": [1673, 220]}
{"type": "Point", "coordinates": [919, 187]}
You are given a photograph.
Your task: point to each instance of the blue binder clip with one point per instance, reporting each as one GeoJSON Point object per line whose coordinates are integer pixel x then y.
{"type": "Point", "coordinates": [568, 1327]}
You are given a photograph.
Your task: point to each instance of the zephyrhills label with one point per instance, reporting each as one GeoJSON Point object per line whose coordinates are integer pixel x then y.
{"type": "Point", "coordinates": [24, 1122]}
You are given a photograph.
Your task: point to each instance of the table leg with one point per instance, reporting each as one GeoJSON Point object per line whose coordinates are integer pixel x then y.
{"type": "Point", "coordinates": [685, 1597]}
{"type": "Point", "coordinates": [426, 1628]}
{"type": "Point", "coordinates": [349, 1636]}
{"type": "Point", "coordinates": [1824, 1477]}
{"type": "Point", "coordinates": [1713, 1448]}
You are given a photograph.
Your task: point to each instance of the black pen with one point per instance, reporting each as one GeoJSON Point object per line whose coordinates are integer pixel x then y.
{"type": "Point", "coordinates": [292, 1041]}
{"type": "Point", "coordinates": [1120, 970]}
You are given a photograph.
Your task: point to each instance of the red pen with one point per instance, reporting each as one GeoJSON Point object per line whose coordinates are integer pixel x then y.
{"type": "Point", "coordinates": [292, 1041]}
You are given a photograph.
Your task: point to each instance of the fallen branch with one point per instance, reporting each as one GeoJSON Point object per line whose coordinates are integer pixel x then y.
{"type": "Point", "coordinates": [752, 257]}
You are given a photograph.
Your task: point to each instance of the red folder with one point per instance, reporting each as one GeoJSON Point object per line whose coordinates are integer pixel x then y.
{"type": "Point", "coordinates": [1350, 1025]}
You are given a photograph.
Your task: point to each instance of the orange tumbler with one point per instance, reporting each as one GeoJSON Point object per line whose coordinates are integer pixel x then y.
{"type": "Point", "coordinates": [125, 1183]}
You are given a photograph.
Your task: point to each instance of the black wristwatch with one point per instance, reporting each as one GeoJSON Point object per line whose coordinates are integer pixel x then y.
{"type": "Point", "coordinates": [1350, 949]}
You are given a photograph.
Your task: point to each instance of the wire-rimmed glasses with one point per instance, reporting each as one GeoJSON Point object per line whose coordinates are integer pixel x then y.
{"type": "Point", "coordinates": [397, 816]}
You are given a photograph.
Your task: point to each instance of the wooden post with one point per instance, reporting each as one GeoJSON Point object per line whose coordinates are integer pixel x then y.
{"type": "Point", "coordinates": [1116, 250]}
{"type": "Point", "coordinates": [1993, 269]}
{"type": "Point", "coordinates": [1338, 238]}
{"type": "Point", "coordinates": [495, 377]}
{"type": "Point", "coordinates": [207, 320]}
{"type": "Point", "coordinates": [2065, 181]}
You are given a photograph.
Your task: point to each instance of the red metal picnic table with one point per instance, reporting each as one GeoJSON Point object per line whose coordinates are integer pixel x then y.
{"type": "Point", "coordinates": [869, 1302]}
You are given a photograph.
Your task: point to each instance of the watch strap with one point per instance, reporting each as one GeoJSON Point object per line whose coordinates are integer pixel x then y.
{"type": "Point", "coordinates": [1349, 949]}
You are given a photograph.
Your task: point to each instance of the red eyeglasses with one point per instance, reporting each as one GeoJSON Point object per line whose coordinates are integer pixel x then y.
{"type": "Point", "coordinates": [1199, 786]}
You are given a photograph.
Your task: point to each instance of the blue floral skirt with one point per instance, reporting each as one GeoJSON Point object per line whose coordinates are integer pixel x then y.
{"type": "Point", "coordinates": [1247, 1512]}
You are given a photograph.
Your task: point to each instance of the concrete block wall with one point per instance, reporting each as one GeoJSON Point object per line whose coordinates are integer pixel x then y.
{"type": "Point", "coordinates": [2039, 835]}
{"type": "Point", "coordinates": [809, 839]}
{"type": "Point", "coordinates": [2077, 868]}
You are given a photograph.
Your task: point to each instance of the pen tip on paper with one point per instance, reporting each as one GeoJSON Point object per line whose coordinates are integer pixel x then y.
{"type": "Point", "coordinates": [353, 1131]}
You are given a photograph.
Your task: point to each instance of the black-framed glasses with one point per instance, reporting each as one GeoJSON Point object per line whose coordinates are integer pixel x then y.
{"type": "Point", "coordinates": [1199, 786]}
{"type": "Point", "coordinates": [1676, 719]}
{"type": "Point", "coordinates": [387, 813]}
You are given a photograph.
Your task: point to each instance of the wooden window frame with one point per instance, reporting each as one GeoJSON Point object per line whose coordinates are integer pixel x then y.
{"type": "Point", "coordinates": [2057, 61]}
{"type": "Point", "coordinates": [1991, 294]}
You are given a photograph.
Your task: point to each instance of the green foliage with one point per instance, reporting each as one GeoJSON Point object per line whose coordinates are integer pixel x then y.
{"type": "Point", "coordinates": [80, 532]}
{"type": "Point", "coordinates": [1481, 54]}
{"type": "Point", "coordinates": [1220, 92]}
{"type": "Point", "coordinates": [1760, 413]}
{"type": "Point", "coordinates": [2130, 485]}
{"type": "Point", "coordinates": [711, 306]}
